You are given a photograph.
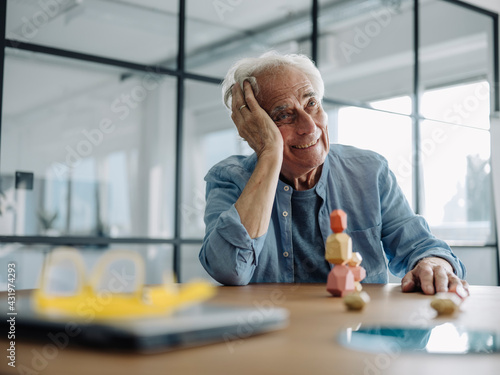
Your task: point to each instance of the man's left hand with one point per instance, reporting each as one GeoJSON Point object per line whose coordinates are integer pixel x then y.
{"type": "Point", "coordinates": [434, 275]}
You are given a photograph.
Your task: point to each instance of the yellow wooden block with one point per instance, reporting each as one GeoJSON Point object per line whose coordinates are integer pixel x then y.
{"type": "Point", "coordinates": [356, 300]}
{"type": "Point", "coordinates": [357, 286]}
{"type": "Point", "coordinates": [355, 259]}
{"type": "Point", "coordinates": [338, 249]}
{"type": "Point", "coordinates": [446, 303]}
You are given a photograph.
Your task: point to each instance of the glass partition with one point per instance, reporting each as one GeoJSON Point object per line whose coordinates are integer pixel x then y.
{"type": "Point", "coordinates": [385, 133]}
{"type": "Point", "coordinates": [191, 266]}
{"type": "Point", "coordinates": [89, 148]}
{"type": "Point", "coordinates": [96, 143]}
{"type": "Point", "coordinates": [158, 259]}
{"type": "Point", "coordinates": [366, 50]}
{"type": "Point", "coordinates": [456, 63]}
{"type": "Point", "coordinates": [131, 30]}
{"type": "Point", "coordinates": [219, 33]}
{"type": "Point", "coordinates": [209, 137]}
{"type": "Point", "coordinates": [457, 182]}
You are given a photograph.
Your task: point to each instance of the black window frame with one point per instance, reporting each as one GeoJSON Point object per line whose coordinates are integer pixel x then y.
{"type": "Point", "coordinates": [177, 241]}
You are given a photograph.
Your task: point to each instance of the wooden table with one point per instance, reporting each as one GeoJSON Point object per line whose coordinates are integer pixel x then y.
{"type": "Point", "coordinates": [307, 346]}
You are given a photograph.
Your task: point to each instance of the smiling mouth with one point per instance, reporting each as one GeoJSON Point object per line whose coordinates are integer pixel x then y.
{"type": "Point", "coordinates": [306, 146]}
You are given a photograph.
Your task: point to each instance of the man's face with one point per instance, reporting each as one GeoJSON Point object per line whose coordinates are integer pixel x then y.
{"type": "Point", "coordinates": [289, 98]}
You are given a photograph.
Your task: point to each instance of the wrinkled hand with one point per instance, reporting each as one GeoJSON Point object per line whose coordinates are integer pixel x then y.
{"type": "Point", "coordinates": [253, 123]}
{"type": "Point", "coordinates": [434, 275]}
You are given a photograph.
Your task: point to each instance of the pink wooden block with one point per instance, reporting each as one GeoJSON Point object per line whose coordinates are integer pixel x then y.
{"type": "Point", "coordinates": [340, 281]}
{"type": "Point", "coordinates": [358, 272]}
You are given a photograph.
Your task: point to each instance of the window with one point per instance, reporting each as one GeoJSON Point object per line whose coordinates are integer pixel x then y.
{"type": "Point", "coordinates": [456, 169]}
{"type": "Point", "coordinates": [135, 31]}
{"type": "Point", "coordinates": [100, 143]}
{"type": "Point", "coordinates": [365, 50]}
{"type": "Point", "coordinates": [221, 32]}
{"type": "Point", "coordinates": [118, 130]}
{"type": "Point", "coordinates": [386, 133]}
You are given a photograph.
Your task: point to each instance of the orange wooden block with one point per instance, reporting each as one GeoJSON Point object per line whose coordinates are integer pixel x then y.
{"type": "Point", "coordinates": [338, 221]}
{"type": "Point", "coordinates": [340, 281]}
{"type": "Point", "coordinates": [338, 248]}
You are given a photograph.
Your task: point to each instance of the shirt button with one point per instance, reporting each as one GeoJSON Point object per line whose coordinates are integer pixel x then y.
{"type": "Point", "coordinates": [285, 254]}
{"type": "Point", "coordinates": [286, 188]}
{"type": "Point", "coordinates": [285, 214]}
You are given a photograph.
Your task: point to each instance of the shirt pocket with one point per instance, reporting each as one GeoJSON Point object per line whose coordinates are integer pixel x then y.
{"type": "Point", "coordinates": [368, 243]}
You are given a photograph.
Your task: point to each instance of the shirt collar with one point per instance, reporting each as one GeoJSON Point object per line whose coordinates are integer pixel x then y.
{"type": "Point", "coordinates": [320, 186]}
{"type": "Point", "coordinates": [322, 183]}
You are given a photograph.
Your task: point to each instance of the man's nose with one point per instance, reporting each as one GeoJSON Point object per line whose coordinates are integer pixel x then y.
{"type": "Point", "coordinates": [305, 124]}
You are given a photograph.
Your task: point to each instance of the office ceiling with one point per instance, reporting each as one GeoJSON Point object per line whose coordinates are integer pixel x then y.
{"type": "Point", "coordinates": [145, 31]}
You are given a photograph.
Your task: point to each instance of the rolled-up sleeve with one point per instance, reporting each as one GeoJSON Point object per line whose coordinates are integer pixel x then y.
{"type": "Point", "coordinates": [407, 237]}
{"type": "Point", "coordinates": [228, 253]}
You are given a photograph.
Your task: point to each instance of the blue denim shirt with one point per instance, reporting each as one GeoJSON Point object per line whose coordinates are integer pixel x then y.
{"type": "Point", "coordinates": [380, 221]}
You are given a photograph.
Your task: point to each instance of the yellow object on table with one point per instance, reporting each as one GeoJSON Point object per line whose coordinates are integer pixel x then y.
{"type": "Point", "coordinates": [90, 299]}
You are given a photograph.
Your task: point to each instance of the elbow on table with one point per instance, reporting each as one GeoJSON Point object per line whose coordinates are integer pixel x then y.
{"type": "Point", "coordinates": [229, 278]}
{"type": "Point", "coordinates": [232, 280]}
{"type": "Point", "coordinates": [223, 274]}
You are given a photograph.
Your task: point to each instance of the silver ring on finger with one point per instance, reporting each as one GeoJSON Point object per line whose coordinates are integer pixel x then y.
{"type": "Point", "coordinates": [243, 106]}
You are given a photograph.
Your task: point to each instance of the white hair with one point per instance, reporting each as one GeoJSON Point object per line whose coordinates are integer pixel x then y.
{"type": "Point", "coordinates": [246, 69]}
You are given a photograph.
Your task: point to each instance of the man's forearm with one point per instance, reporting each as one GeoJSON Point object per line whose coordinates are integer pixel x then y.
{"type": "Point", "coordinates": [256, 201]}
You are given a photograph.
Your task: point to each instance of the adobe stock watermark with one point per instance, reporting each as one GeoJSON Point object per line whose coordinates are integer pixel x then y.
{"type": "Point", "coordinates": [223, 6]}
{"type": "Point", "coordinates": [122, 106]}
{"type": "Point", "coordinates": [364, 35]}
{"type": "Point", "coordinates": [471, 103]}
{"type": "Point", "coordinates": [30, 27]}
{"type": "Point", "coordinates": [427, 147]}
{"type": "Point", "coordinates": [455, 114]}
{"type": "Point", "coordinates": [250, 324]}
{"type": "Point", "coordinates": [390, 351]}
{"type": "Point", "coordinates": [422, 321]}
{"type": "Point", "coordinates": [86, 311]}
{"type": "Point", "coordinates": [196, 208]}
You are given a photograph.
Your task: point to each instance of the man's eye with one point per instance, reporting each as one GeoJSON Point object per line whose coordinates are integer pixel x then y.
{"type": "Point", "coordinates": [281, 117]}
{"type": "Point", "coordinates": [312, 103]}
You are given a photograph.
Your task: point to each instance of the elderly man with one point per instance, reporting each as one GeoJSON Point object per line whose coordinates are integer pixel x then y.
{"type": "Point", "coordinates": [267, 214]}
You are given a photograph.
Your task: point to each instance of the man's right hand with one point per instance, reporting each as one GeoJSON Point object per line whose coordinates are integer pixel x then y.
{"type": "Point", "coordinates": [254, 124]}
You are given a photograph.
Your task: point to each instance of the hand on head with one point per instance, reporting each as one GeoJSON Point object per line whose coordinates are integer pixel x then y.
{"type": "Point", "coordinates": [253, 123]}
{"type": "Point", "coordinates": [434, 275]}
